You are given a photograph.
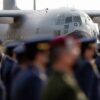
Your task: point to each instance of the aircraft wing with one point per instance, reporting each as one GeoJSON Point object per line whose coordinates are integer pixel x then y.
{"type": "Point", "coordinates": [10, 16]}
{"type": "Point", "coordinates": [11, 13]}
{"type": "Point", "coordinates": [94, 14]}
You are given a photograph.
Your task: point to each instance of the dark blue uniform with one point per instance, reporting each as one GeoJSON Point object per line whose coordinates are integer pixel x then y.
{"type": "Point", "coordinates": [6, 76]}
{"type": "Point", "coordinates": [98, 74]}
{"type": "Point", "coordinates": [21, 59]}
{"type": "Point", "coordinates": [2, 91]}
{"type": "Point", "coordinates": [8, 62]}
{"type": "Point", "coordinates": [87, 80]}
{"type": "Point", "coordinates": [98, 62]}
{"type": "Point", "coordinates": [16, 69]}
{"type": "Point", "coordinates": [28, 85]}
{"type": "Point", "coordinates": [7, 65]}
{"type": "Point", "coordinates": [85, 73]}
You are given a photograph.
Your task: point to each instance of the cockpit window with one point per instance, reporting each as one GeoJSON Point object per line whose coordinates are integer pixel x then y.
{"type": "Point", "coordinates": [68, 20]}
{"type": "Point", "coordinates": [84, 20]}
{"type": "Point", "coordinates": [89, 19]}
{"type": "Point", "coordinates": [76, 19]}
{"type": "Point", "coordinates": [60, 20]}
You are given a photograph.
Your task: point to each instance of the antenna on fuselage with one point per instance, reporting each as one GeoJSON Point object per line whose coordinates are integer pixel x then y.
{"type": "Point", "coordinates": [9, 5]}
{"type": "Point", "coordinates": [34, 4]}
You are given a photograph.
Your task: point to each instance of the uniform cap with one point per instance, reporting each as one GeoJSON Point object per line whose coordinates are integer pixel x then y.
{"type": "Point", "coordinates": [12, 45]}
{"type": "Point", "coordinates": [20, 52]}
{"type": "Point", "coordinates": [88, 40]}
{"type": "Point", "coordinates": [86, 43]}
{"type": "Point", "coordinates": [39, 42]}
{"type": "Point", "coordinates": [19, 49]}
{"type": "Point", "coordinates": [67, 43]}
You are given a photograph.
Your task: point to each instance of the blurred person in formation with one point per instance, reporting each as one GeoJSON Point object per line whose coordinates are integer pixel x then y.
{"type": "Point", "coordinates": [62, 84]}
{"type": "Point", "coordinates": [8, 61]}
{"type": "Point", "coordinates": [2, 87]}
{"type": "Point", "coordinates": [2, 91]}
{"type": "Point", "coordinates": [30, 83]}
{"type": "Point", "coordinates": [86, 71]}
{"type": "Point", "coordinates": [98, 57]}
{"type": "Point", "coordinates": [77, 34]}
{"type": "Point", "coordinates": [21, 60]}
{"type": "Point", "coordinates": [1, 53]}
{"type": "Point", "coordinates": [97, 71]}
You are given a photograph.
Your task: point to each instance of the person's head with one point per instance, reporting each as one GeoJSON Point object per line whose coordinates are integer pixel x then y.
{"type": "Point", "coordinates": [20, 54]}
{"type": "Point", "coordinates": [64, 52]}
{"type": "Point", "coordinates": [88, 48]}
{"type": "Point", "coordinates": [9, 49]}
{"type": "Point", "coordinates": [41, 54]}
{"type": "Point", "coordinates": [37, 49]}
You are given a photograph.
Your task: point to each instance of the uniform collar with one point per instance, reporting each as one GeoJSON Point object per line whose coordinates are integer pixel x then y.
{"type": "Point", "coordinates": [10, 58]}
{"type": "Point", "coordinates": [40, 73]}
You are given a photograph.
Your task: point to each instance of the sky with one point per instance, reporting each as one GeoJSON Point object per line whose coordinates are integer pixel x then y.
{"type": "Point", "coordinates": [51, 4]}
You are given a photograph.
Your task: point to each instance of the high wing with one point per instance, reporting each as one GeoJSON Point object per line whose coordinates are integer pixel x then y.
{"type": "Point", "coordinates": [11, 13]}
{"type": "Point", "coordinates": [93, 13]}
{"type": "Point", "coordinates": [10, 20]}
{"type": "Point", "coordinates": [10, 16]}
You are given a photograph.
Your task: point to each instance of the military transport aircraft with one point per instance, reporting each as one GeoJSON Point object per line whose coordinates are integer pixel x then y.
{"type": "Point", "coordinates": [19, 24]}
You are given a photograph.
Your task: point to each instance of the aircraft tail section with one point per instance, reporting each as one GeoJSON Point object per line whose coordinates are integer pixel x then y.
{"type": "Point", "coordinates": [9, 5]}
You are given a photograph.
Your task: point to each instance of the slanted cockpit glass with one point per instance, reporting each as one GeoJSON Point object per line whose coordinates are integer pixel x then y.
{"type": "Point", "coordinates": [60, 20]}
{"type": "Point", "coordinates": [77, 19]}
{"type": "Point", "coordinates": [68, 20]}
{"type": "Point", "coordinates": [84, 20]}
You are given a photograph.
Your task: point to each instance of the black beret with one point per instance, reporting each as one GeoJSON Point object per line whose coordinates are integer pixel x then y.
{"type": "Point", "coordinates": [64, 41]}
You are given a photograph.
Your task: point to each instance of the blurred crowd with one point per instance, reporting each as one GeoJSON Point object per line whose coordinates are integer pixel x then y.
{"type": "Point", "coordinates": [45, 67]}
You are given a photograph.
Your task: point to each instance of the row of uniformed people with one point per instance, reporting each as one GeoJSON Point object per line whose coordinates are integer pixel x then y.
{"type": "Point", "coordinates": [7, 63]}
{"type": "Point", "coordinates": [87, 73]}
{"type": "Point", "coordinates": [87, 68]}
{"type": "Point", "coordinates": [27, 77]}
